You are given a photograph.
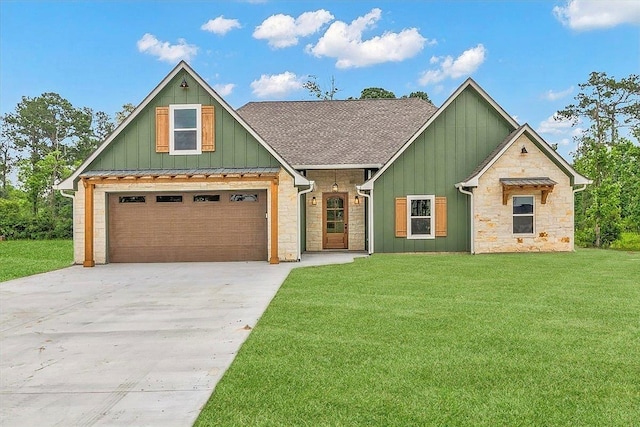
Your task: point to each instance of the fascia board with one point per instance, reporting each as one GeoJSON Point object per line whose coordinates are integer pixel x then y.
{"type": "Point", "coordinates": [467, 83]}
{"type": "Point", "coordinates": [67, 184]}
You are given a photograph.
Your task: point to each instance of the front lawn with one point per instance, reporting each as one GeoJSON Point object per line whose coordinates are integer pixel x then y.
{"type": "Point", "coordinates": [19, 258]}
{"type": "Point", "coordinates": [417, 340]}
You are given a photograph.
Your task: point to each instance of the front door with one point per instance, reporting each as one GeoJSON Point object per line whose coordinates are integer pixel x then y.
{"type": "Point", "coordinates": [335, 216]}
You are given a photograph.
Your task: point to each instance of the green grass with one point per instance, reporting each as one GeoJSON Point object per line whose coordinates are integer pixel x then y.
{"type": "Point", "coordinates": [420, 340]}
{"type": "Point", "coordinates": [19, 258]}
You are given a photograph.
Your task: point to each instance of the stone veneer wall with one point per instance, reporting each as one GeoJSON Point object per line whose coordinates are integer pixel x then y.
{"type": "Point", "coordinates": [553, 221]}
{"type": "Point", "coordinates": [287, 212]}
{"type": "Point", "coordinates": [347, 181]}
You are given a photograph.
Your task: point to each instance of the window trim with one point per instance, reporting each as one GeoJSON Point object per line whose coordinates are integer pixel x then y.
{"type": "Point", "coordinates": [432, 218]}
{"type": "Point", "coordinates": [198, 128]}
{"type": "Point", "coordinates": [532, 215]}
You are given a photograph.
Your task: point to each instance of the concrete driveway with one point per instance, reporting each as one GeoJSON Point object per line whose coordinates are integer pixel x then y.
{"type": "Point", "coordinates": [127, 344]}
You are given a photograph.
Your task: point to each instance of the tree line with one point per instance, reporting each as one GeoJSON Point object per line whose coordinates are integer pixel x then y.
{"type": "Point", "coordinates": [45, 138]}
{"type": "Point", "coordinates": [41, 142]}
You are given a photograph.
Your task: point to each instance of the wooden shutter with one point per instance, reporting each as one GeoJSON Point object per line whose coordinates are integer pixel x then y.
{"type": "Point", "coordinates": [441, 216]}
{"type": "Point", "coordinates": [401, 217]}
{"type": "Point", "coordinates": [208, 129]}
{"type": "Point", "coordinates": [162, 129]}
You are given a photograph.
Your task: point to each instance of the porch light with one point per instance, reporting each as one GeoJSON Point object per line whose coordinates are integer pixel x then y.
{"type": "Point", "coordinates": [184, 84]}
{"type": "Point", "coordinates": [314, 201]}
{"type": "Point", "coordinates": [357, 200]}
{"type": "Point", "coordinates": [334, 187]}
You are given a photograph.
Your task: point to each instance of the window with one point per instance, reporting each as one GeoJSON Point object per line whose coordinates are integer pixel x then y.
{"type": "Point", "coordinates": [420, 217]}
{"type": "Point", "coordinates": [523, 215]}
{"type": "Point", "coordinates": [131, 199]}
{"type": "Point", "coordinates": [243, 198]}
{"type": "Point", "coordinates": [185, 134]}
{"type": "Point", "coordinates": [206, 198]}
{"type": "Point", "coordinates": [168, 199]}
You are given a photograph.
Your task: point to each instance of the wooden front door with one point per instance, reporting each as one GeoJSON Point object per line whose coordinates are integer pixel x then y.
{"type": "Point", "coordinates": [335, 217]}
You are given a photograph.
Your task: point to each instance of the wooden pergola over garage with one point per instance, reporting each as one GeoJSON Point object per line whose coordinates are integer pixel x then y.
{"type": "Point", "coordinates": [225, 224]}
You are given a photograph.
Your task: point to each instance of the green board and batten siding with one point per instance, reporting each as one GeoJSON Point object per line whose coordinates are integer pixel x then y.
{"type": "Point", "coordinates": [460, 138]}
{"type": "Point", "coordinates": [134, 148]}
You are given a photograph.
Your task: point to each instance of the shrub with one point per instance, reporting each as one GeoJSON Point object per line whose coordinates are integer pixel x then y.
{"type": "Point", "coordinates": [627, 242]}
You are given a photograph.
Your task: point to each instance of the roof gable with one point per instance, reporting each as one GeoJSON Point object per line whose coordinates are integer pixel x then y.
{"type": "Point", "coordinates": [359, 133]}
{"type": "Point", "coordinates": [472, 180]}
{"type": "Point", "coordinates": [181, 69]}
{"type": "Point", "coordinates": [469, 84]}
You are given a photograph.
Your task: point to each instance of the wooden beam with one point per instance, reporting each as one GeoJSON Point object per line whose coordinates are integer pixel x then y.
{"type": "Point", "coordinates": [274, 222]}
{"type": "Point", "coordinates": [88, 224]}
{"type": "Point", "coordinates": [199, 178]}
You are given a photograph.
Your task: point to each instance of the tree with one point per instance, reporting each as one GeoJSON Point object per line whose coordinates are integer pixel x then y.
{"type": "Point", "coordinates": [51, 135]}
{"type": "Point", "coordinates": [419, 94]}
{"type": "Point", "coordinates": [606, 105]}
{"type": "Point", "coordinates": [315, 90]}
{"type": "Point", "coordinates": [127, 109]}
{"type": "Point", "coordinates": [376, 92]}
{"type": "Point", "coordinates": [6, 163]}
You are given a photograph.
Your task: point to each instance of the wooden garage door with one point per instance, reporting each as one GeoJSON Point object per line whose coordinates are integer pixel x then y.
{"type": "Point", "coordinates": [178, 227]}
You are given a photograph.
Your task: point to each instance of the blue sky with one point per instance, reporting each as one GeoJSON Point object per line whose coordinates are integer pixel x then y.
{"type": "Point", "coordinates": [529, 56]}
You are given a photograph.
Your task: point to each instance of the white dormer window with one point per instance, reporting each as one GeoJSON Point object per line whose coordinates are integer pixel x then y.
{"type": "Point", "coordinates": [185, 129]}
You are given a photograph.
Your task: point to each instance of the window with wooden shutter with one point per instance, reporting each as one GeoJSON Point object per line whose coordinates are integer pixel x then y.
{"type": "Point", "coordinates": [401, 217]}
{"type": "Point", "coordinates": [162, 129]}
{"type": "Point", "coordinates": [441, 216]}
{"type": "Point", "coordinates": [208, 128]}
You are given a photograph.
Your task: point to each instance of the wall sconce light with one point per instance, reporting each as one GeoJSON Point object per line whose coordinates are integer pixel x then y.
{"type": "Point", "coordinates": [524, 150]}
{"type": "Point", "coordinates": [184, 84]}
{"type": "Point", "coordinates": [314, 201]}
{"type": "Point", "coordinates": [334, 187]}
{"type": "Point", "coordinates": [357, 200]}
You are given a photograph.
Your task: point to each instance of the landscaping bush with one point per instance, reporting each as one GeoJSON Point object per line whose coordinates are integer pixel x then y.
{"type": "Point", "coordinates": [627, 242]}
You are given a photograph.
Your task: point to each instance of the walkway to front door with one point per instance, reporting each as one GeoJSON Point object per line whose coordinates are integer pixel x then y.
{"type": "Point", "coordinates": [335, 218]}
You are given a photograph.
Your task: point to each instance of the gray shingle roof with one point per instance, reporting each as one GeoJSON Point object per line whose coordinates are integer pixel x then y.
{"type": "Point", "coordinates": [351, 132]}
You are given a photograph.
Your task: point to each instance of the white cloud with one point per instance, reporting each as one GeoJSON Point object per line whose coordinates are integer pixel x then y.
{"type": "Point", "coordinates": [283, 30]}
{"type": "Point", "coordinates": [167, 52]}
{"type": "Point", "coordinates": [463, 65]}
{"type": "Point", "coordinates": [220, 25]}
{"type": "Point", "coordinates": [344, 42]}
{"type": "Point", "coordinates": [592, 14]}
{"type": "Point", "coordinates": [555, 125]}
{"type": "Point", "coordinates": [550, 95]}
{"type": "Point", "coordinates": [224, 89]}
{"type": "Point", "coordinates": [276, 85]}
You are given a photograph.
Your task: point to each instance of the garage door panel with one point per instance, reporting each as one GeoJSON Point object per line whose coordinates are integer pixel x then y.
{"type": "Point", "coordinates": [221, 230]}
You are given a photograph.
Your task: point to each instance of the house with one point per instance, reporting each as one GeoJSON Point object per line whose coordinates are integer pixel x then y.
{"type": "Point", "coordinates": [187, 178]}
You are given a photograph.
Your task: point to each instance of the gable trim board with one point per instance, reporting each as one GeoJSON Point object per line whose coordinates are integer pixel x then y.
{"type": "Point", "coordinates": [69, 183]}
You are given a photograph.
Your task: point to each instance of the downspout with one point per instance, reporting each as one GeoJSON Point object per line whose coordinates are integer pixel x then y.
{"type": "Point", "coordinates": [71, 196]}
{"type": "Point", "coordinates": [577, 190]}
{"type": "Point", "coordinates": [299, 211]}
{"type": "Point", "coordinates": [470, 194]}
{"type": "Point", "coordinates": [370, 214]}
